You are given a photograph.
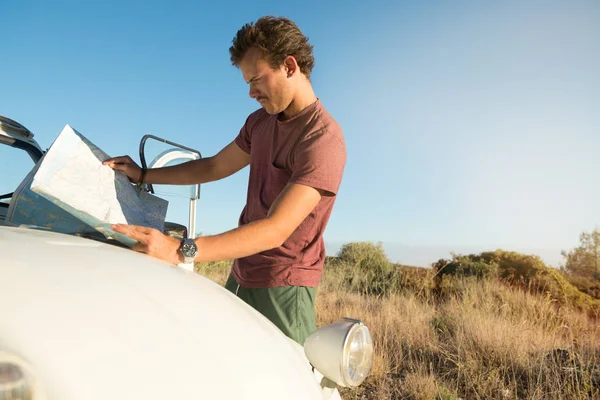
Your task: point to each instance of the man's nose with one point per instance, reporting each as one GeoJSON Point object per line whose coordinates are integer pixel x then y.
{"type": "Point", "coordinates": [253, 92]}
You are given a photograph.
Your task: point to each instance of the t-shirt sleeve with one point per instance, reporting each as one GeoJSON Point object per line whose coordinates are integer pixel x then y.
{"type": "Point", "coordinates": [319, 162]}
{"type": "Point", "coordinates": [243, 138]}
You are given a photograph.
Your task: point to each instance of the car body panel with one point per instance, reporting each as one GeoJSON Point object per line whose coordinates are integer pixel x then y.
{"type": "Point", "coordinates": [97, 321]}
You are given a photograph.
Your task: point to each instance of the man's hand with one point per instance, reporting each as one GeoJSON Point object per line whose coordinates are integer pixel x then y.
{"type": "Point", "coordinates": [127, 166]}
{"type": "Point", "coordinates": [152, 242]}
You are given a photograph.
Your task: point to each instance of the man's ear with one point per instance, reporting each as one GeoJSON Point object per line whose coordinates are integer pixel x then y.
{"type": "Point", "coordinates": [291, 66]}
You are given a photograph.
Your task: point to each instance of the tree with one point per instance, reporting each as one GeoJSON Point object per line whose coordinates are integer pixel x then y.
{"type": "Point", "coordinates": [585, 259]}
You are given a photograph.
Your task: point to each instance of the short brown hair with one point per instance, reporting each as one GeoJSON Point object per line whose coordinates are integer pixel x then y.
{"type": "Point", "coordinates": [277, 37]}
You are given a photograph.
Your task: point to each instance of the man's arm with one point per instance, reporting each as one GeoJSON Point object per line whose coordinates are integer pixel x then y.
{"type": "Point", "coordinates": [225, 163]}
{"type": "Point", "coordinates": [290, 208]}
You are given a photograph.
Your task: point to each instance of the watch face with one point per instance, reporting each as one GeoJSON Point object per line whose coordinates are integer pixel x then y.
{"type": "Point", "coordinates": [189, 248]}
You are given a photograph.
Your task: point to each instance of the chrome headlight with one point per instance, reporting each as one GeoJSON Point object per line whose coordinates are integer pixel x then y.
{"type": "Point", "coordinates": [342, 352]}
{"type": "Point", "coordinates": [16, 379]}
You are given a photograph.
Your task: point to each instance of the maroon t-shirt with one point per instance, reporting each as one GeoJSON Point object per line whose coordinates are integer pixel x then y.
{"type": "Point", "coordinates": [308, 149]}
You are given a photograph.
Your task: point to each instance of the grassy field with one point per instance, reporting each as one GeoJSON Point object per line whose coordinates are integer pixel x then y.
{"type": "Point", "coordinates": [461, 336]}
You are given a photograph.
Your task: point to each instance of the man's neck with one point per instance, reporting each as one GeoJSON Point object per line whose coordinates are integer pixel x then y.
{"type": "Point", "coordinates": [303, 100]}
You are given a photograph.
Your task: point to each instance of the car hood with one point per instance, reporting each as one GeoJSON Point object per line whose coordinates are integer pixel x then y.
{"type": "Point", "coordinates": [97, 321]}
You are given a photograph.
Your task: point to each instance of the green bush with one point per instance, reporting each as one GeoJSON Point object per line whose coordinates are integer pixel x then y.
{"type": "Point", "coordinates": [509, 265]}
{"type": "Point", "coordinates": [366, 268]}
{"type": "Point", "coordinates": [470, 265]}
{"type": "Point", "coordinates": [526, 271]}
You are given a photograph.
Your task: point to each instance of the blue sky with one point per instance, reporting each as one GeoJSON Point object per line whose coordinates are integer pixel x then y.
{"type": "Point", "coordinates": [469, 125]}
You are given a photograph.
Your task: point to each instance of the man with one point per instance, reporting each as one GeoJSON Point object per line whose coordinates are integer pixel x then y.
{"type": "Point", "coordinates": [296, 153]}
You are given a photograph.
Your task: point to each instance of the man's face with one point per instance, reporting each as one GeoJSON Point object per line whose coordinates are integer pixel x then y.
{"type": "Point", "coordinates": [270, 87]}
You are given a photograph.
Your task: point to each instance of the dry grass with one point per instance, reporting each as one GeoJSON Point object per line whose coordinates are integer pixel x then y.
{"type": "Point", "coordinates": [217, 271]}
{"type": "Point", "coordinates": [471, 339]}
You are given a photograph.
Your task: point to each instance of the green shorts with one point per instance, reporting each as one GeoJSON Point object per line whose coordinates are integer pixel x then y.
{"type": "Point", "coordinates": [290, 308]}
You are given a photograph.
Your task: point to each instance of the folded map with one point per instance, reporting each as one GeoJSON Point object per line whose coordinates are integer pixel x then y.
{"type": "Point", "coordinates": [70, 191]}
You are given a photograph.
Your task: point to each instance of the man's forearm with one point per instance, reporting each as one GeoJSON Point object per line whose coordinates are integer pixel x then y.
{"type": "Point", "coordinates": [188, 173]}
{"type": "Point", "coordinates": [243, 241]}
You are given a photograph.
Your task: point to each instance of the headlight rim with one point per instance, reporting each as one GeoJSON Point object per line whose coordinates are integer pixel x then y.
{"type": "Point", "coordinates": [345, 359]}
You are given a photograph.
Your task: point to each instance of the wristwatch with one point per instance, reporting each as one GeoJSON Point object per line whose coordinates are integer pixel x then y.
{"type": "Point", "coordinates": [189, 250]}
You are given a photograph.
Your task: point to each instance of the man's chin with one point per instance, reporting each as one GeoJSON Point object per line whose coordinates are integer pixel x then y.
{"type": "Point", "coordinates": [270, 110]}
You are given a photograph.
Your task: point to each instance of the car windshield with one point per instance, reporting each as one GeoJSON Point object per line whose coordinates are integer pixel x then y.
{"type": "Point", "coordinates": [15, 164]}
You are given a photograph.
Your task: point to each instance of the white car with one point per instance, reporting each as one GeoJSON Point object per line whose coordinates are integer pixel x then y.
{"type": "Point", "coordinates": [84, 319]}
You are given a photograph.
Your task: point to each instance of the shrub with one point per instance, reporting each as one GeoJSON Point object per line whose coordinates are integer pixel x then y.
{"type": "Point", "coordinates": [525, 271]}
{"type": "Point", "coordinates": [470, 265]}
{"type": "Point", "coordinates": [366, 268]}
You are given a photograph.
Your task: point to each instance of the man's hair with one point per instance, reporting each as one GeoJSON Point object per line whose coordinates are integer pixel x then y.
{"type": "Point", "coordinates": [277, 37]}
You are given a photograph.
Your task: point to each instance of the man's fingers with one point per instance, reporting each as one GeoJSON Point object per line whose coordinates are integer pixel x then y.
{"type": "Point", "coordinates": [139, 233]}
{"type": "Point", "coordinates": [151, 241]}
{"type": "Point", "coordinates": [126, 165]}
{"type": "Point", "coordinates": [122, 163]}
{"type": "Point", "coordinates": [118, 160]}
{"type": "Point", "coordinates": [140, 248]}
{"type": "Point", "coordinates": [118, 167]}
